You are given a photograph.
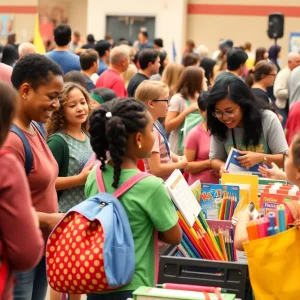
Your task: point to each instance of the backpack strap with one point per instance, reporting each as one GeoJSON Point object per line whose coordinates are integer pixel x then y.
{"type": "Point", "coordinates": [28, 152]}
{"type": "Point", "coordinates": [130, 183]}
{"type": "Point", "coordinates": [124, 187]}
{"type": "Point", "coordinates": [40, 128]}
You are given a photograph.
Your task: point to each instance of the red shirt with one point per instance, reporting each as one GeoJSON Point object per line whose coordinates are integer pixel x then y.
{"type": "Point", "coordinates": [293, 122]}
{"type": "Point", "coordinates": [43, 174]}
{"type": "Point", "coordinates": [21, 238]}
{"type": "Point", "coordinates": [111, 79]}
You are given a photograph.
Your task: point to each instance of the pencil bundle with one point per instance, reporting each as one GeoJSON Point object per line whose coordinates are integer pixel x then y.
{"type": "Point", "coordinates": [227, 208]}
{"type": "Point", "coordinates": [200, 241]}
{"type": "Point", "coordinates": [272, 223]}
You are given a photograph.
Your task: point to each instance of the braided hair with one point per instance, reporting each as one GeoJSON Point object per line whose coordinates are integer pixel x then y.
{"type": "Point", "coordinates": [110, 128]}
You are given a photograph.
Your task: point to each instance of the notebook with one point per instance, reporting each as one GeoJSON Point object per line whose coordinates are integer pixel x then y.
{"type": "Point", "coordinates": [147, 293]}
{"type": "Point", "coordinates": [183, 197]}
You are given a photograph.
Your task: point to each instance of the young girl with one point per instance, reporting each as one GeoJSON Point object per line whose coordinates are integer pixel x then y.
{"type": "Point", "coordinates": [39, 82]}
{"type": "Point", "coordinates": [162, 161]}
{"type": "Point", "coordinates": [236, 119]}
{"type": "Point", "coordinates": [124, 128]}
{"type": "Point", "coordinates": [70, 146]}
{"type": "Point", "coordinates": [292, 167]}
{"type": "Point", "coordinates": [196, 149]}
{"type": "Point", "coordinates": [182, 104]}
{"type": "Point", "coordinates": [21, 240]}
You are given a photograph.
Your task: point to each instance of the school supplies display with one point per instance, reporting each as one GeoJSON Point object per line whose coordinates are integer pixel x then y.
{"type": "Point", "coordinates": [273, 253]}
{"type": "Point", "coordinates": [148, 293]}
{"type": "Point", "coordinates": [271, 224]}
{"type": "Point", "coordinates": [200, 241]}
{"type": "Point", "coordinates": [219, 201]}
{"type": "Point", "coordinates": [229, 276]}
{"type": "Point", "coordinates": [263, 182]}
{"type": "Point", "coordinates": [183, 197]}
{"type": "Point", "coordinates": [233, 165]}
{"type": "Point", "coordinates": [92, 249]}
{"type": "Point", "coordinates": [249, 183]}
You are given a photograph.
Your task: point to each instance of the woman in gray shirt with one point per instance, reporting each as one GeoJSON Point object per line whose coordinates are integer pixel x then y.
{"type": "Point", "coordinates": [236, 119]}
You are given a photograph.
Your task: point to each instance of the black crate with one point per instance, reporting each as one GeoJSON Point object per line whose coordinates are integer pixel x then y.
{"type": "Point", "coordinates": [231, 276]}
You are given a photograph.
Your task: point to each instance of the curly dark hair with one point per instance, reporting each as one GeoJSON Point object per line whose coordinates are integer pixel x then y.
{"type": "Point", "coordinates": [57, 121]}
{"type": "Point", "coordinates": [34, 69]}
{"type": "Point", "coordinates": [236, 90]}
{"type": "Point", "coordinates": [112, 133]}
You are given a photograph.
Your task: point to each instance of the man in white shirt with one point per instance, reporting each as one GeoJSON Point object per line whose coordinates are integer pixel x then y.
{"type": "Point", "coordinates": [281, 85]}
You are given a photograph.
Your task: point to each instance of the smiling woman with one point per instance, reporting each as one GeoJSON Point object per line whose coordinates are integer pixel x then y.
{"type": "Point", "coordinates": [38, 81]}
{"type": "Point", "coordinates": [236, 119]}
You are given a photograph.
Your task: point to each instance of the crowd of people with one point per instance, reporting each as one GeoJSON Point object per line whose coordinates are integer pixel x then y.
{"type": "Point", "coordinates": [134, 110]}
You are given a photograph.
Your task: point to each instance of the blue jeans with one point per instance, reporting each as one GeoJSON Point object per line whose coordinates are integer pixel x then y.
{"type": "Point", "coordinates": [111, 296]}
{"type": "Point", "coordinates": [32, 284]}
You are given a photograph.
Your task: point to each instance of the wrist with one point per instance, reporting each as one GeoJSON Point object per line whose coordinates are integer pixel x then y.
{"type": "Point", "coordinates": [263, 159]}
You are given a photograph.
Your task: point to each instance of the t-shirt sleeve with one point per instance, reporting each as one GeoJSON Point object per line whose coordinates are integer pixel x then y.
{"type": "Point", "coordinates": [57, 150]}
{"type": "Point", "coordinates": [217, 149]}
{"type": "Point", "coordinates": [21, 236]}
{"type": "Point", "coordinates": [165, 217]}
{"type": "Point", "coordinates": [191, 141]}
{"type": "Point", "coordinates": [14, 144]}
{"type": "Point", "coordinates": [176, 104]}
{"type": "Point", "coordinates": [274, 133]}
{"type": "Point", "coordinates": [156, 146]}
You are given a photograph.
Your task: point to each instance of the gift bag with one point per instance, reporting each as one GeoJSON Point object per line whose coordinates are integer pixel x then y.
{"type": "Point", "coordinates": [274, 266]}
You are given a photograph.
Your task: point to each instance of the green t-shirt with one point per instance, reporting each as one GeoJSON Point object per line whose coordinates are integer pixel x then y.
{"type": "Point", "coordinates": [148, 206]}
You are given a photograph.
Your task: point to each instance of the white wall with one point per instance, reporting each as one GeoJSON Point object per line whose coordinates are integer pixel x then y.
{"type": "Point", "coordinates": [170, 18]}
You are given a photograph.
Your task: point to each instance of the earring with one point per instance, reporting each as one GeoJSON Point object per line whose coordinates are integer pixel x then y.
{"type": "Point", "coordinates": [24, 97]}
{"type": "Point", "coordinates": [140, 146]}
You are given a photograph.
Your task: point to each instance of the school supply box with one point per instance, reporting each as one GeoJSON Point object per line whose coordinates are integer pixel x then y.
{"type": "Point", "coordinates": [206, 255]}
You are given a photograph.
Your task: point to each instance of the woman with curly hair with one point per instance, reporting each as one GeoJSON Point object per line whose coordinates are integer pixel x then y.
{"type": "Point", "coordinates": [70, 146]}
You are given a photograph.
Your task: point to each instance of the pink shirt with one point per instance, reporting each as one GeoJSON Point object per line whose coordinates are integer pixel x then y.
{"type": "Point", "coordinates": [20, 236]}
{"type": "Point", "coordinates": [5, 73]}
{"type": "Point", "coordinates": [159, 147]}
{"type": "Point", "coordinates": [293, 122]}
{"type": "Point", "coordinates": [198, 139]}
{"type": "Point", "coordinates": [111, 79]}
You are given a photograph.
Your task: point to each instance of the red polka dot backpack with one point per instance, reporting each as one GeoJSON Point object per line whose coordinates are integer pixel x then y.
{"type": "Point", "coordinates": [92, 250]}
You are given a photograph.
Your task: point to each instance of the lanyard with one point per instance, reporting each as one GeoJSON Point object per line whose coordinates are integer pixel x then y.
{"type": "Point", "coordinates": [233, 139]}
{"type": "Point", "coordinates": [162, 133]}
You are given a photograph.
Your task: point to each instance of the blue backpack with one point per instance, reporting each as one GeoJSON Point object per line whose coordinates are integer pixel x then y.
{"type": "Point", "coordinates": [92, 249]}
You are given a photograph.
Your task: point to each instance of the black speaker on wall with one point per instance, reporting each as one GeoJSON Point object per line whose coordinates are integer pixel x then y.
{"type": "Point", "coordinates": [276, 26]}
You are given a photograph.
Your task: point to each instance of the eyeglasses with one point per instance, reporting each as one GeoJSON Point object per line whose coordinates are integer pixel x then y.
{"type": "Point", "coordinates": [161, 100]}
{"type": "Point", "coordinates": [272, 74]}
{"type": "Point", "coordinates": [229, 114]}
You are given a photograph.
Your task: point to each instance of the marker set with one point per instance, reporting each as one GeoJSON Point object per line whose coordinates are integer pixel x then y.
{"type": "Point", "coordinates": [273, 223]}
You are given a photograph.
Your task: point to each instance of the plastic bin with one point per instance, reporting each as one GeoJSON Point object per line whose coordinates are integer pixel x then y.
{"type": "Point", "coordinates": [231, 276]}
